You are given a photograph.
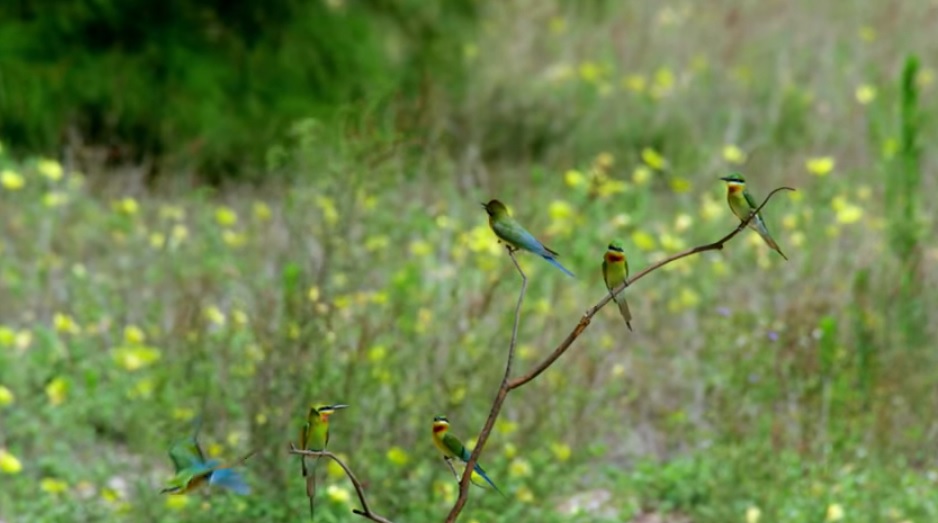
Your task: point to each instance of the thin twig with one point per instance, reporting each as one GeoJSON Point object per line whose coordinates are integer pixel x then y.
{"type": "Point", "coordinates": [588, 316]}
{"type": "Point", "coordinates": [365, 511]}
{"type": "Point", "coordinates": [496, 405]}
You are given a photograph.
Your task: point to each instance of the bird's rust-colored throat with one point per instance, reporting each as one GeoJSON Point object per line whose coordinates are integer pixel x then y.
{"type": "Point", "coordinates": [439, 428]}
{"type": "Point", "coordinates": [735, 187]}
{"type": "Point", "coordinates": [614, 257]}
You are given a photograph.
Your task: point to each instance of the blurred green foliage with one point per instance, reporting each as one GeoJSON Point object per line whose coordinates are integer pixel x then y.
{"type": "Point", "coordinates": [211, 82]}
{"type": "Point", "coordinates": [363, 272]}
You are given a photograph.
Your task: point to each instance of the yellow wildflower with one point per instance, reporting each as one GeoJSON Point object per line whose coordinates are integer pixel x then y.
{"type": "Point", "coordinates": [226, 216]}
{"type": "Point", "coordinates": [261, 211]}
{"type": "Point", "coordinates": [524, 494]}
{"type": "Point", "coordinates": [654, 159]}
{"type": "Point", "coordinates": [54, 199]}
{"type": "Point", "coordinates": [135, 358]}
{"type": "Point", "coordinates": [65, 323]}
{"type": "Point", "coordinates": [338, 494]}
{"type": "Point", "coordinates": [663, 83]}
{"type": "Point", "coordinates": [56, 391]}
{"type": "Point", "coordinates": [329, 212]}
{"type": "Point", "coordinates": [9, 464]}
{"type": "Point", "coordinates": [421, 248]}
{"type": "Point", "coordinates": [590, 72]}
{"type": "Point", "coordinates": [683, 222]}
{"type": "Point", "coordinates": [574, 178]}
{"type": "Point", "coordinates": [134, 335]}
{"type": "Point", "coordinates": [753, 514]}
{"type": "Point", "coordinates": [51, 169]}
{"type": "Point", "coordinates": [398, 456]}
{"type": "Point", "coordinates": [12, 180]}
{"type": "Point", "coordinates": [835, 512]}
{"type": "Point", "coordinates": [558, 25]}
{"type": "Point", "coordinates": [733, 154]}
{"type": "Point", "coordinates": [643, 240]}
{"type": "Point", "coordinates": [519, 468]}
{"type": "Point", "coordinates": [636, 83]}
{"type": "Point", "coordinates": [641, 175]}
{"type": "Point", "coordinates": [176, 502]}
{"type": "Point", "coordinates": [126, 205]}
{"type": "Point", "coordinates": [820, 166]}
{"type": "Point", "coordinates": [680, 184]}
{"type": "Point", "coordinates": [53, 486]}
{"type": "Point", "coordinates": [925, 77]}
{"type": "Point", "coordinates": [233, 239]}
{"type": "Point", "coordinates": [510, 450]}
{"type": "Point", "coordinates": [561, 451]}
{"type": "Point", "coordinates": [865, 94]}
{"type": "Point", "coordinates": [215, 315]}
{"type": "Point", "coordinates": [6, 396]}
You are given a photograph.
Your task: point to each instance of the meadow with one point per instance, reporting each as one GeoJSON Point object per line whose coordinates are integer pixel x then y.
{"type": "Point", "coordinates": [360, 269]}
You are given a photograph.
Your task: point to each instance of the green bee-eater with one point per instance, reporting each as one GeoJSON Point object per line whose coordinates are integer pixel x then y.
{"type": "Point", "coordinates": [193, 470]}
{"type": "Point", "coordinates": [616, 271]}
{"type": "Point", "coordinates": [742, 204]}
{"type": "Point", "coordinates": [315, 436]}
{"type": "Point", "coordinates": [512, 233]}
{"type": "Point", "coordinates": [452, 448]}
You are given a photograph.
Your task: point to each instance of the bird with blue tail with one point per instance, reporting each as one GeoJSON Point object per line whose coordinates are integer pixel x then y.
{"type": "Point", "coordinates": [508, 230]}
{"type": "Point", "coordinates": [192, 469]}
{"type": "Point", "coordinates": [453, 449]}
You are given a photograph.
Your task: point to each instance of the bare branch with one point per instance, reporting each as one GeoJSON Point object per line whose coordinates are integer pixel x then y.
{"type": "Point", "coordinates": [607, 297]}
{"type": "Point", "coordinates": [496, 405]}
{"type": "Point", "coordinates": [365, 511]}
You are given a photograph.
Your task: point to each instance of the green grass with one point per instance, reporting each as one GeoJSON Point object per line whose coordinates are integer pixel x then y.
{"type": "Point", "coordinates": [363, 272]}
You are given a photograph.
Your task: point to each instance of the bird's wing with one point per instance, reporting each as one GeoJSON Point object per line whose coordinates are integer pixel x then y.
{"type": "Point", "coordinates": [186, 454]}
{"type": "Point", "coordinates": [752, 203]}
{"type": "Point", "coordinates": [455, 446]}
{"type": "Point", "coordinates": [512, 232]}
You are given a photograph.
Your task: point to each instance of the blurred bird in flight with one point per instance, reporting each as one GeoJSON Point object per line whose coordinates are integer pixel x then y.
{"type": "Point", "coordinates": [193, 470]}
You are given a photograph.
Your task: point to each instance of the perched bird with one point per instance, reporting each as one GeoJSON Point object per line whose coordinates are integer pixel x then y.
{"type": "Point", "coordinates": [315, 436]}
{"type": "Point", "coordinates": [742, 205]}
{"type": "Point", "coordinates": [512, 233]}
{"type": "Point", "coordinates": [193, 470]}
{"type": "Point", "coordinates": [616, 271]}
{"type": "Point", "coordinates": [452, 448]}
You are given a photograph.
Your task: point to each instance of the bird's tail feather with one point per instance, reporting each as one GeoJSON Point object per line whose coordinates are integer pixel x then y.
{"type": "Point", "coordinates": [763, 231]}
{"type": "Point", "coordinates": [556, 263]}
{"type": "Point", "coordinates": [311, 488]}
{"type": "Point", "coordinates": [231, 480]}
{"type": "Point", "coordinates": [623, 310]}
{"type": "Point", "coordinates": [479, 471]}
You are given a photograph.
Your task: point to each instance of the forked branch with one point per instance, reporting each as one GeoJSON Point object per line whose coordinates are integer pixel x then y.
{"type": "Point", "coordinates": [496, 405]}
{"type": "Point", "coordinates": [607, 297]}
{"type": "Point", "coordinates": [508, 384]}
{"type": "Point", "coordinates": [365, 511]}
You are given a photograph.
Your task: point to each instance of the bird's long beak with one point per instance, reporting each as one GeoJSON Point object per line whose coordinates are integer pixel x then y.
{"type": "Point", "coordinates": [339, 407]}
{"type": "Point", "coordinates": [725, 178]}
{"type": "Point", "coordinates": [483, 204]}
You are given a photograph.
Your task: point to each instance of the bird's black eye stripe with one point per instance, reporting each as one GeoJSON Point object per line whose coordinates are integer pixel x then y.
{"type": "Point", "coordinates": [614, 248]}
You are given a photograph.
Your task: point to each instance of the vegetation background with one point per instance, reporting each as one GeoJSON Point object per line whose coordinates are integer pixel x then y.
{"type": "Point", "coordinates": [235, 211]}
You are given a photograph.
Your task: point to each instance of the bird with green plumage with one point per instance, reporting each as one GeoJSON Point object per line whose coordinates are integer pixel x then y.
{"type": "Point", "coordinates": [508, 230]}
{"type": "Point", "coordinates": [453, 449]}
{"type": "Point", "coordinates": [314, 435]}
{"type": "Point", "coordinates": [742, 204]}
{"type": "Point", "coordinates": [192, 469]}
{"type": "Point", "coordinates": [616, 272]}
